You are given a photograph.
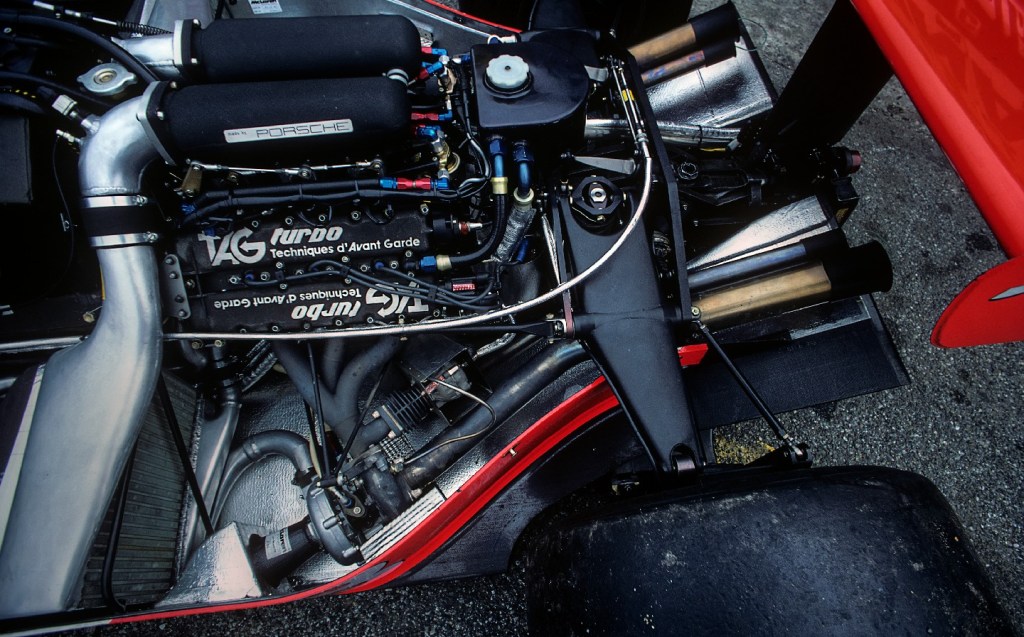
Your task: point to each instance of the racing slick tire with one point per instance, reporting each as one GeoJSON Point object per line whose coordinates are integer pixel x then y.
{"type": "Point", "coordinates": [856, 550]}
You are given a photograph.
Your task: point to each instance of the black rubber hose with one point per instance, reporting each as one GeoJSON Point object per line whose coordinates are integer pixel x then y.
{"type": "Point", "coordinates": [294, 362]}
{"type": "Point", "coordinates": [346, 398]}
{"type": "Point", "coordinates": [254, 448]}
{"type": "Point", "coordinates": [285, 190]}
{"type": "Point", "coordinates": [26, 79]}
{"type": "Point", "coordinates": [85, 35]}
{"type": "Point", "coordinates": [511, 395]}
{"type": "Point", "coordinates": [484, 251]}
{"type": "Point", "coordinates": [331, 360]}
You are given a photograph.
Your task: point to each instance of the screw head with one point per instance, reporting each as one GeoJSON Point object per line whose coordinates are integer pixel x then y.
{"type": "Point", "coordinates": [597, 194]}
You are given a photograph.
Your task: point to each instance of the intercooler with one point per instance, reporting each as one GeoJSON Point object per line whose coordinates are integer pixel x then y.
{"type": "Point", "coordinates": [142, 568]}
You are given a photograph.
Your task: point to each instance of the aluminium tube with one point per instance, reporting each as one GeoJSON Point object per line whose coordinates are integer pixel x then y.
{"type": "Point", "coordinates": [93, 395]}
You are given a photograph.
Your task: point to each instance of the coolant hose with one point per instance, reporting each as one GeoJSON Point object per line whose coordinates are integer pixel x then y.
{"type": "Point", "coordinates": [346, 398]}
{"type": "Point", "coordinates": [509, 397]}
{"type": "Point", "coordinates": [484, 251]}
{"type": "Point", "coordinates": [62, 26]}
{"type": "Point", "coordinates": [254, 448]}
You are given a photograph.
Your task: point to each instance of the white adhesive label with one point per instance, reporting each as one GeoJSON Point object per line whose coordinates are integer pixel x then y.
{"type": "Point", "coordinates": [277, 544]}
{"type": "Point", "coordinates": [286, 131]}
{"type": "Point", "coordinates": [260, 7]}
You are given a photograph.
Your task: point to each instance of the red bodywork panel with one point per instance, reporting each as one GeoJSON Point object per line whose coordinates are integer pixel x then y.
{"type": "Point", "coordinates": [962, 62]}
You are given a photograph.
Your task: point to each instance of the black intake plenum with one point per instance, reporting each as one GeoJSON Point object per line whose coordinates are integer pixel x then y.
{"type": "Point", "coordinates": [295, 121]}
{"type": "Point", "coordinates": [300, 48]}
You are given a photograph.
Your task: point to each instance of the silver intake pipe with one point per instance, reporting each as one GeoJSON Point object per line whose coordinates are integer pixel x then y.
{"type": "Point", "coordinates": [116, 150]}
{"type": "Point", "coordinates": [93, 395]}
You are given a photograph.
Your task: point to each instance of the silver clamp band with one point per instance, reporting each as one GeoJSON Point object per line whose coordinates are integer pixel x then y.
{"type": "Point", "coordinates": [178, 53]}
{"type": "Point", "coordinates": [147, 97]}
{"type": "Point", "coordinates": [122, 240]}
{"type": "Point", "coordinates": [114, 201]}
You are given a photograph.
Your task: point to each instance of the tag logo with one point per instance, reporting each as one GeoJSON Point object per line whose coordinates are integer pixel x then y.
{"type": "Point", "coordinates": [233, 248]}
{"type": "Point", "coordinates": [395, 304]}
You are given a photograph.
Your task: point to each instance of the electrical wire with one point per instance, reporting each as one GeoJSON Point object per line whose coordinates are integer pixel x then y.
{"type": "Point", "coordinates": [428, 325]}
{"type": "Point", "coordinates": [465, 321]}
{"type": "Point", "coordinates": [33, 81]}
{"type": "Point", "coordinates": [433, 294]}
{"type": "Point", "coordinates": [480, 401]}
{"type": "Point", "coordinates": [19, 19]}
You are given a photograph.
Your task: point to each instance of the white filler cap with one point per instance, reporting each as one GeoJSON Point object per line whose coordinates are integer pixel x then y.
{"type": "Point", "coordinates": [508, 72]}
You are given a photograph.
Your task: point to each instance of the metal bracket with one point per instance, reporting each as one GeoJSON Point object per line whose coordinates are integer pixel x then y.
{"type": "Point", "coordinates": [172, 288]}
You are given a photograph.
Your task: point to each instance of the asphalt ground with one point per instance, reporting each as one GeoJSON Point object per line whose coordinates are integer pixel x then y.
{"type": "Point", "coordinates": [958, 422]}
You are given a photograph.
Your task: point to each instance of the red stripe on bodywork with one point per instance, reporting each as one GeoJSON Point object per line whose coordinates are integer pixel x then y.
{"type": "Point", "coordinates": [470, 17]}
{"type": "Point", "coordinates": [540, 438]}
